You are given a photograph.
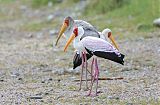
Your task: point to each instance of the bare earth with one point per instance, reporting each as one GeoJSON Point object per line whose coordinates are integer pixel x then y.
{"type": "Point", "coordinates": [32, 71]}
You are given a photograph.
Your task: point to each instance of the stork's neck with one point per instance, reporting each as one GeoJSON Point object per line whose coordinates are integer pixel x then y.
{"type": "Point", "coordinates": [77, 43]}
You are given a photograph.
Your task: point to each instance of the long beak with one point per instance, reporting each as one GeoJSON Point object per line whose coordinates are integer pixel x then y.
{"type": "Point", "coordinates": [113, 41]}
{"type": "Point", "coordinates": [69, 41]}
{"type": "Point", "coordinates": [63, 28]}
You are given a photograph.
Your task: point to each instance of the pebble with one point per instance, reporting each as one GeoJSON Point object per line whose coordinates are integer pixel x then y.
{"type": "Point", "coordinates": [50, 17]}
{"type": "Point", "coordinates": [156, 22]}
{"type": "Point", "coordinates": [14, 74]}
{"type": "Point", "coordinates": [113, 97]}
{"type": "Point", "coordinates": [1, 80]}
{"type": "Point", "coordinates": [19, 78]}
{"type": "Point", "coordinates": [35, 97]}
{"type": "Point", "coordinates": [53, 32]}
{"type": "Point", "coordinates": [129, 104]}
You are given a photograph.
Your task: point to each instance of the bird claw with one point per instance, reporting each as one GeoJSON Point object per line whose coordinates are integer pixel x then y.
{"type": "Point", "coordinates": [92, 95]}
{"type": "Point", "coordinates": [86, 89]}
{"type": "Point", "coordinates": [79, 89]}
{"type": "Point", "coordinates": [89, 94]}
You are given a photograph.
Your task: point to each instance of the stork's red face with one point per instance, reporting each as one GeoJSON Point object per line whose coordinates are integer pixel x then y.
{"type": "Point", "coordinates": [112, 39]}
{"type": "Point", "coordinates": [75, 31]}
{"type": "Point", "coordinates": [109, 34]}
{"type": "Point", "coordinates": [74, 34]}
{"type": "Point", "coordinates": [63, 29]}
{"type": "Point", "coordinates": [66, 21]}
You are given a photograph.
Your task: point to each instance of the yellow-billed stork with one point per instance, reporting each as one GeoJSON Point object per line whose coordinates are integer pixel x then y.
{"type": "Point", "coordinates": [97, 47]}
{"type": "Point", "coordinates": [67, 28]}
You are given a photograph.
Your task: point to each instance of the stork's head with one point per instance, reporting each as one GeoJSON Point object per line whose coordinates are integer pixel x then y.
{"type": "Point", "coordinates": [68, 21]}
{"type": "Point", "coordinates": [77, 33]}
{"type": "Point", "coordinates": [107, 33]}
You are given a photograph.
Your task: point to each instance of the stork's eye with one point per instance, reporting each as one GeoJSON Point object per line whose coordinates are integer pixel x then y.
{"type": "Point", "coordinates": [75, 31]}
{"type": "Point", "coordinates": [67, 22]}
{"type": "Point", "coordinates": [109, 34]}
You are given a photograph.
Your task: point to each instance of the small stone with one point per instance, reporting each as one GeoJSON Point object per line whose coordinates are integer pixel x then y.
{"type": "Point", "coordinates": [50, 17]}
{"type": "Point", "coordinates": [39, 35]}
{"type": "Point", "coordinates": [46, 93]}
{"type": "Point", "coordinates": [50, 4]}
{"type": "Point", "coordinates": [156, 22]}
{"type": "Point", "coordinates": [1, 80]}
{"type": "Point", "coordinates": [30, 35]}
{"type": "Point", "coordinates": [50, 79]}
{"type": "Point", "coordinates": [36, 97]}
{"type": "Point", "coordinates": [113, 97]}
{"type": "Point", "coordinates": [15, 74]}
{"type": "Point", "coordinates": [19, 78]}
{"type": "Point", "coordinates": [59, 80]}
{"type": "Point", "coordinates": [42, 81]}
{"type": "Point", "coordinates": [42, 100]}
{"type": "Point", "coordinates": [53, 32]}
{"type": "Point", "coordinates": [129, 104]}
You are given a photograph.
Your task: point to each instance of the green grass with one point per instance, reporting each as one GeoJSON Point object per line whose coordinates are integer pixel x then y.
{"type": "Point", "coordinates": [39, 3]}
{"type": "Point", "coordinates": [42, 3]}
{"type": "Point", "coordinates": [6, 1]}
{"type": "Point", "coordinates": [130, 15]}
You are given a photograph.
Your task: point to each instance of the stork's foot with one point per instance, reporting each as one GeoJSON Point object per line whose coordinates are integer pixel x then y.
{"type": "Point", "coordinates": [87, 88]}
{"type": "Point", "coordinates": [92, 95]}
{"type": "Point", "coordinates": [79, 89]}
{"type": "Point", "coordinates": [89, 94]}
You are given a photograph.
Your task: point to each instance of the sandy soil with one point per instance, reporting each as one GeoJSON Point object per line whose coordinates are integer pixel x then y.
{"type": "Point", "coordinates": [32, 71]}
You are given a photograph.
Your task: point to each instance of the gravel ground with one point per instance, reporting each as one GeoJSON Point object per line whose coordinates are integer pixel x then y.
{"type": "Point", "coordinates": [32, 71]}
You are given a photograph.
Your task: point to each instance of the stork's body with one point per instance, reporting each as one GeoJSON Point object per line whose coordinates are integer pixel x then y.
{"type": "Point", "coordinates": [97, 47]}
{"type": "Point", "coordinates": [105, 35]}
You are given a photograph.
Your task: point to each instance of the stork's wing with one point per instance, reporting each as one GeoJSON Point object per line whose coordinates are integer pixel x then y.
{"type": "Point", "coordinates": [82, 23]}
{"type": "Point", "coordinates": [89, 30]}
{"type": "Point", "coordinates": [77, 60]}
{"type": "Point", "coordinates": [98, 44]}
{"type": "Point", "coordinates": [102, 48]}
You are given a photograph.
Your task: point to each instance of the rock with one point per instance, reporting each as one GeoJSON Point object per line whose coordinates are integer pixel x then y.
{"type": "Point", "coordinates": [1, 80]}
{"type": "Point", "coordinates": [39, 35]}
{"type": "Point", "coordinates": [63, 71]}
{"type": "Point", "coordinates": [53, 32]}
{"type": "Point", "coordinates": [46, 93]}
{"type": "Point", "coordinates": [50, 79]}
{"type": "Point", "coordinates": [14, 74]}
{"type": "Point", "coordinates": [156, 22]}
{"type": "Point", "coordinates": [19, 78]}
{"type": "Point", "coordinates": [30, 35]}
{"type": "Point", "coordinates": [113, 97]}
{"type": "Point", "coordinates": [43, 81]}
{"type": "Point", "coordinates": [23, 7]}
{"type": "Point", "coordinates": [35, 97]}
{"type": "Point", "coordinates": [50, 17]}
{"type": "Point", "coordinates": [50, 4]}
{"type": "Point", "coordinates": [129, 104]}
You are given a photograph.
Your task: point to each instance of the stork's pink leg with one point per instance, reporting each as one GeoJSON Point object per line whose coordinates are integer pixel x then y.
{"type": "Point", "coordinates": [92, 78]}
{"type": "Point", "coordinates": [85, 59]}
{"type": "Point", "coordinates": [96, 74]}
{"type": "Point", "coordinates": [81, 71]}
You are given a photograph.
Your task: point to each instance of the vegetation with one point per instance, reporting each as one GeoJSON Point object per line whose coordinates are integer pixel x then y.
{"type": "Point", "coordinates": [131, 15]}
{"type": "Point", "coordinates": [39, 3]}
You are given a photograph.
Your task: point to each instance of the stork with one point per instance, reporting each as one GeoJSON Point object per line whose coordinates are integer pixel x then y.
{"type": "Point", "coordinates": [67, 28]}
{"type": "Point", "coordinates": [105, 34]}
{"type": "Point", "coordinates": [97, 47]}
